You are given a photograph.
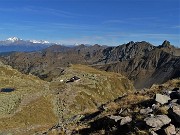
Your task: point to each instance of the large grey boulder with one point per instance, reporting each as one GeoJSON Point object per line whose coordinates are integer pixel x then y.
{"type": "Point", "coordinates": [170, 130]}
{"type": "Point", "coordinates": [157, 121]}
{"type": "Point", "coordinates": [162, 99]}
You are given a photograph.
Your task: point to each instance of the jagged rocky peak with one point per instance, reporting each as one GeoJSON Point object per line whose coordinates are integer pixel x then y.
{"type": "Point", "coordinates": [166, 44]}
{"type": "Point", "coordinates": [131, 43]}
{"type": "Point", "coordinates": [96, 45]}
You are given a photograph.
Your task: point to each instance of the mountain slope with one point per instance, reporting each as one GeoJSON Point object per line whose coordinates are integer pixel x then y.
{"type": "Point", "coordinates": [156, 66]}
{"type": "Point", "coordinates": [29, 104]}
{"type": "Point", "coordinates": [24, 102]}
{"type": "Point", "coordinates": [138, 113]}
{"type": "Point", "coordinates": [93, 89]}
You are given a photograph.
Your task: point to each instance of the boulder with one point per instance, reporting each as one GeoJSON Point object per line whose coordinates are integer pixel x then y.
{"type": "Point", "coordinates": [155, 106]}
{"type": "Point", "coordinates": [162, 99]}
{"type": "Point", "coordinates": [146, 111]}
{"type": "Point", "coordinates": [157, 121]}
{"type": "Point", "coordinates": [175, 112]}
{"type": "Point", "coordinates": [125, 120]}
{"type": "Point", "coordinates": [170, 130]}
{"type": "Point", "coordinates": [115, 118]}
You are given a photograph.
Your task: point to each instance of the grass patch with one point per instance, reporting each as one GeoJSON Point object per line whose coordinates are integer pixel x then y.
{"type": "Point", "coordinates": [38, 112]}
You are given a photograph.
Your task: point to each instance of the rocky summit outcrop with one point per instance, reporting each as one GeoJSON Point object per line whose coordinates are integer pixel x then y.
{"type": "Point", "coordinates": [141, 62]}
{"type": "Point", "coordinates": [150, 65]}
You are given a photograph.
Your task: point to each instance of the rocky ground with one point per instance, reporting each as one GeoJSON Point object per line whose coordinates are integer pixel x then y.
{"type": "Point", "coordinates": [154, 111]}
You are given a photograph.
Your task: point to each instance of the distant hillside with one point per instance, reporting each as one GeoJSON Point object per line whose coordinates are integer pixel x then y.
{"type": "Point", "coordinates": [141, 62]}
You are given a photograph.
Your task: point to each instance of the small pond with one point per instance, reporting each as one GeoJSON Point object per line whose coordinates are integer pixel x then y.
{"type": "Point", "coordinates": [7, 89]}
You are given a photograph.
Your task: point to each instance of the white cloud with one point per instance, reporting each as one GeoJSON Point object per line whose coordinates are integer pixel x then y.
{"type": "Point", "coordinates": [41, 10]}
{"type": "Point", "coordinates": [177, 26]}
{"type": "Point", "coordinates": [131, 20]}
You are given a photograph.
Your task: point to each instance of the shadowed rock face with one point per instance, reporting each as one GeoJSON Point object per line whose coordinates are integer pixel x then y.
{"type": "Point", "coordinates": [141, 62]}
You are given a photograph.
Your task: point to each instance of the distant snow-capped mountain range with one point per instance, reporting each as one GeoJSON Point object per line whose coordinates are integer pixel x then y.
{"type": "Point", "coordinates": [17, 44]}
{"type": "Point", "coordinates": [16, 40]}
{"type": "Point", "coordinates": [20, 45]}
{"type": "Point", "coordinates": [13, 39]}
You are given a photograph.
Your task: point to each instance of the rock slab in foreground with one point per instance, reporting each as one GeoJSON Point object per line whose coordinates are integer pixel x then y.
{"type": "Point", "coordinates": [157, 121]}
{"type": "Point", "coordinates": [162, 99]}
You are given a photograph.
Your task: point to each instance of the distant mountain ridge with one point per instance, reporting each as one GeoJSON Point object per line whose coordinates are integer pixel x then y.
{"type": "Point", "coordinates": [16, 40]}
{"type": "Point", "coordinates": [17, 44]}
{"type": "Point", "coordinates": [142, 62]}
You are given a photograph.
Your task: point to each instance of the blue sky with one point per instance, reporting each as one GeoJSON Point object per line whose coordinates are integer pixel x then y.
{"type": "Point", "coordinates": [107, 22]}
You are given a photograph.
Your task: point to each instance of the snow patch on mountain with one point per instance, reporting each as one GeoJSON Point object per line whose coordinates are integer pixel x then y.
{"type": "Point", "coordinates": [39, 41]}
{"type": "Point", "coordinates": [76, 44]}
{"type": "Point", "coordinates": [13, 39]}
{"type": "Point", "coordinates": [16, 39]}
